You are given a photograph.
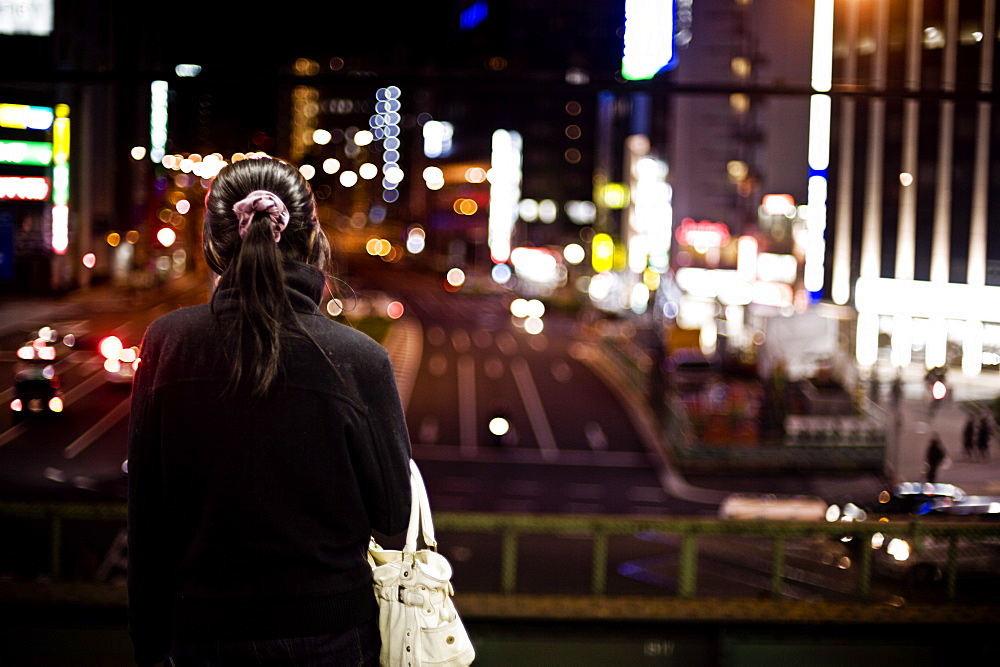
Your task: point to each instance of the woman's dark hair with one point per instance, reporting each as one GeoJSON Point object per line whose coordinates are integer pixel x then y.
{"type": "Point", "coordinates": [252, 266]}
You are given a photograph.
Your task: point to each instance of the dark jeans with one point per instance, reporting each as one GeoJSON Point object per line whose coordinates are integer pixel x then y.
{"type": "Point", "coordinates": [357, 647]}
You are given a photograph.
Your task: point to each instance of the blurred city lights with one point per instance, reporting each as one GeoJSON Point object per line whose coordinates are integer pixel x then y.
{"type": "Point", "coordinates": [455, 277]}
{"type": "Point", "coordinates": [394, 310]}
{"type": "Point", "coordinates": [183, 206]}
{"type": "Point", "coordinates": [527, 209]}
{"type": "Point", "coordinates": [499, 426]}
{"type": "Point", "coordinates": [368, 171]}
{"type": "Point", "coordinates": [113, 239]}
{"type": "Point", "coordinates": [505, 192]}
{"type": "Point", "coordinates": [166, 236]}
{"type": "Point", "coordinates": [533, 325]}
{"type": "Point", "coordinates": [393, 174]}
{"type": "Point", "coordinates": [500, 274]}
{"type": "Point", "coordinates": [187, 70]}
{"type": "Point", "coordinates": [322, 137]}
{"type": "Point", "coordinates": [437, 138]}
{"type": "Point", "coordinates": [308, 171]}
{"type": "Point", "coordinates": [335, 307]}
{"type": "Point", "coordinates": [60, 229]}
{"type": "Point", "coordinates": [138, 152]}
{"type": "Point", "coordinates": [416, 240]}
{"type": "Point", "coordinates": [348, 178]}
{"type": "Point", "coordinates": [158, 120]}
{"type": "Point", "coordinates": [89, 260]}
{"type": "Point", "coordinates": [648, 40]}
{"type": "Point", "coordinates": [331, 165]}
{"type": "Point", "coordinates": [363, 138]}
{"type": "Point", "coordinates": [475, 175]}
{"type": "Point", "coordinates": [574, 253]}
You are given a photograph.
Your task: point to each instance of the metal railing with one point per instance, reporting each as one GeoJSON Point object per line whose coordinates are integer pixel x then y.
{"type": "Point", "coordinates": [685, 535]}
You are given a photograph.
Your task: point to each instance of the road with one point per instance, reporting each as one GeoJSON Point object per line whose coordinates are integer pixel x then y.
{"type": "Point", "coordinates": [78, 455]}
{"type": "Point", "coordinates": [573, 444]}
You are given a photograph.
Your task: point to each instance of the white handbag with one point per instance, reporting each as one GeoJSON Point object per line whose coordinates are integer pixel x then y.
{"type": "Point", "coordinates": [417, 618]}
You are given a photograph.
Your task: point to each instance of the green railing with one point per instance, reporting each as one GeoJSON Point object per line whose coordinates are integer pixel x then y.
{"type": "Point", "coordinates": [685, 535]}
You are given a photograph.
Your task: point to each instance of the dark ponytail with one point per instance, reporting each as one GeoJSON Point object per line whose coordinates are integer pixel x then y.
{"type": "Point", "coordinates": [252, 266]}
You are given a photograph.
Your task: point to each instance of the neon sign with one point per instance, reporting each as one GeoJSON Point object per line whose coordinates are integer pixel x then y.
{"type": "Point", "coordinates": [25, 188]}
{"type": "Point", "coordinates": [33, 153]}
{"type": "Point", "coordinates": [702, 235]}
{"type": "Point", "coordinates": [649, 38]}
{"type": "Point", "coordinates": [24, 117]}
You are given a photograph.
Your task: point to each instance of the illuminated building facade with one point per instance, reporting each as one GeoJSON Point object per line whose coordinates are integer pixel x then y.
{"type": "Point", "coordinates": [912, 157]}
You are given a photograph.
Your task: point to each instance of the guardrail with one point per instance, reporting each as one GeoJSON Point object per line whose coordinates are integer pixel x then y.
{"type": "Point", "coordinates": [683, 538]}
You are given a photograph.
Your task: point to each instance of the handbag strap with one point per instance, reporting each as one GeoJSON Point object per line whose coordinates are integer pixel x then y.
{"type": "Point", "coordinates": [420, 513]}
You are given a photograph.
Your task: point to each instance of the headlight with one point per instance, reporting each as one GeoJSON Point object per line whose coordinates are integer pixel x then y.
{"type": "Point", "coordinates": [898, 549]}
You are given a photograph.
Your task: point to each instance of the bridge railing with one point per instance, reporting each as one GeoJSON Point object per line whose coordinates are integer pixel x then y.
{"type": "Point", "coordinates": [582, 551]}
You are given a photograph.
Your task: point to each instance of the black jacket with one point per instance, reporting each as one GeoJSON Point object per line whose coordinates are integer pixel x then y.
{"type": "Point", "coordinates": [251, 520]}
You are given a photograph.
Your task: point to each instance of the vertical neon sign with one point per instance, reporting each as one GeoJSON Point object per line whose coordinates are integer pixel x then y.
{"type": "Point", "coordinates": [649, 38]}
{"type": "Point", "coordinates": [60, 180]}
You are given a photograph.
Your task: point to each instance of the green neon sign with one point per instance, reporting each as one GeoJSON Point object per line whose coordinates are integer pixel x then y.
{"type": "Point", "coordinates": [35, 153]}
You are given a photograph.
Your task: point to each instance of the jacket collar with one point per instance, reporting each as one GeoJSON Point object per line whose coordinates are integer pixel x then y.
{"type": "Point", "coordinates": [304, 286]}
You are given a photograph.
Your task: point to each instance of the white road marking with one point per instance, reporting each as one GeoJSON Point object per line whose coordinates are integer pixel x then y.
{"type": "Point", "coordinates": [533, 406]}
{"type": "Point", "coordinates": [467, 405]}
{"type": "Point", "coordinates": [460, 341]}
{"type": "Point", "coordinates": [507, 343]}
{"type": "Point", "coordinates": [493, 368]}
{"type": "Point", "coordinates": [97, 430]}
{"type": "Point", "coordinates": [482, 339]}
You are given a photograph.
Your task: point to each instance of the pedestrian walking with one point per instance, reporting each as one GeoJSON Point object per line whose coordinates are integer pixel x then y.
{"type": "Point", "coordinates": [934, 456]}
{"type": "Point", "coordinates": [266, 443]}
{"type": "Point", "coordinates": [969, 438]}
{"type": "Point", "coordinates": [983, 441]}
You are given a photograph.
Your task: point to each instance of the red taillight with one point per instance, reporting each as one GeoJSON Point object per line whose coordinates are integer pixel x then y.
{"type": "Point", "coordinates": [16, 405]}
{"type": "Point", "coordinates": [938, 390]}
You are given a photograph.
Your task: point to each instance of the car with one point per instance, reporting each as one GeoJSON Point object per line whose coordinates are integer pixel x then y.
{"type": "Point", "coordinates": [36, 384]}
{"type": "Point", "coordinates": [917, 497]}
{"type": "Point", "coordinates": [772, 507]}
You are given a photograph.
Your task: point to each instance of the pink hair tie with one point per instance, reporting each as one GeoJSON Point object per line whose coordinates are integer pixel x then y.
{"type": "Point", "coordinates": [261, 200]}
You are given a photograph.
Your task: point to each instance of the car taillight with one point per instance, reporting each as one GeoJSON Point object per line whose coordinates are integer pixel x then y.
{"type": "Point", "coordinates": [16, 405]}
{"type": "Point", "coordinates": [112, 365]}
{"type": "Point", "coordinates": [56, 404]}
{"type": "Point", "coordinates": [26, 352]}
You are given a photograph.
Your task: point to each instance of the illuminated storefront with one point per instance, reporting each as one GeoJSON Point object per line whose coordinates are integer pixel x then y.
{"type": "Point", "coordinates": [34, 193]}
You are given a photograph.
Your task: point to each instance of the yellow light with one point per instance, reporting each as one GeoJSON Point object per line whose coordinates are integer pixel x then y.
{"type": "Point", "coordinates": [114, 238]}
{"type": "Point", "coordinates": [132, 237]}
{"type": "Point", "coordinates": [615, 195]}
{"type": "Point", "coordinates": [603, 253]}
{"type": "Point", "coordinates": [322, 137]}
{"type": "Point", "coordinates": [56, 404]}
